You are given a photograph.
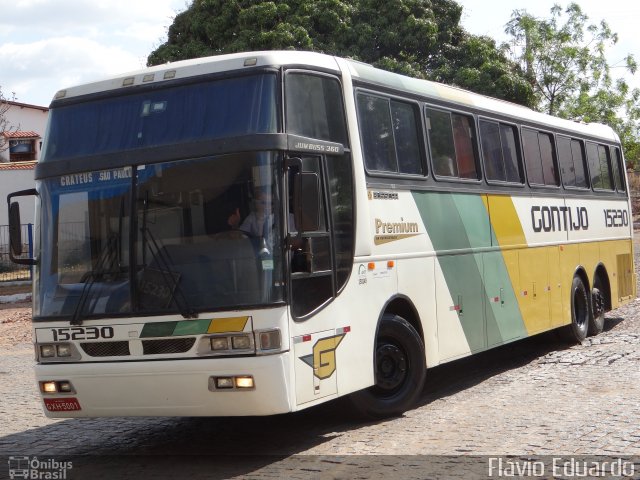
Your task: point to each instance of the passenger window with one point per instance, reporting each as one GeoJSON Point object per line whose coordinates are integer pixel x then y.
{"type": "Point", "coordinates": [405, 131]}
{"type": "Point", "coordinates": [618, 170]}
{"type": "Point", "coordinates": [510, 153]}
{"type": "Point", "coordinates": [390, 135]}
{"type": "Point", "coordinates": [599, 166]}
{"type": "Point", "coordinates": [451, 137]}
{"type": "Point", "coordinates": [539, 157]}
{"type": "Point", "coordinates": [571, 159]}
{"type": "Point", "coordinates": [500, 151]}
{"type": "Point", "coordinates": [577, 153]}
{"type": "Point", "coordinates": [605, 167]}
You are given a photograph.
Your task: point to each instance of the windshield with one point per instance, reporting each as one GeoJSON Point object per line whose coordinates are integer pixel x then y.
{"type": "Point", "coordinates": [209, 110]}
{"type": "Point", "coordinates": [184, 236]}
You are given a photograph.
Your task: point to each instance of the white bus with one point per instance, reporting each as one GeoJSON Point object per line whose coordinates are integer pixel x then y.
{"type": "Point", "coordinates": [258, 233]}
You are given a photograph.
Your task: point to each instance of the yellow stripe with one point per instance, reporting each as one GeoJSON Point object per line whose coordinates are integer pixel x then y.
{"type": "Point", "coordinates": [231, 324]}
{"type": "Point", "coordinates": [505, 221]}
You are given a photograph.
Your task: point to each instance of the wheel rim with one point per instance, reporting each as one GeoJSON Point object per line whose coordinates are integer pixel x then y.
{"type": "Point", "coordinates": [580, 307]}
{"type": "Point", "coordinates": [391, 367]}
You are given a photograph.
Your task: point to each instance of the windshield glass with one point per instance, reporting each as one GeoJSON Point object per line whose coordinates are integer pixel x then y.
{"type": "Point", "coordinates": [184, 236]}
{"type": "Point", "coordinates": [202, 111]}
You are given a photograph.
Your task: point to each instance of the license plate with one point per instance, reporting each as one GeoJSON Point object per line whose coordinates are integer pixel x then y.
{"type": "Point", "coordinates": [62, 404]}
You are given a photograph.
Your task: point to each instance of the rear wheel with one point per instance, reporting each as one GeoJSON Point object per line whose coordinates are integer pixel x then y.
{"type": "Point", "coordinates": [400, 370]}
{"type": "Point", "coordinates": [598, 307]}
{"type": "Point", "coordinates": [577, 330]}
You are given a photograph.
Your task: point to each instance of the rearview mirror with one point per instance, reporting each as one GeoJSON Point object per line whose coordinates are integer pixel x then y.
{"type": "Point", "coordinates": [15, 227]}
{"type": "Point", "coordinates": [15, 232]}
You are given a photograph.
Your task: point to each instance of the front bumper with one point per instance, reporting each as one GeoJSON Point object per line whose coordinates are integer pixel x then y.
{"type": "Point", "coordinates": [172, 388]}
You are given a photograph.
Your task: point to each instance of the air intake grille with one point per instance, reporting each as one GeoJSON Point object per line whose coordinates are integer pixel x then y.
{"type": "Point", "coordinates": [173, 345]}
{"type": "Point", "coordinates": [106, 349]}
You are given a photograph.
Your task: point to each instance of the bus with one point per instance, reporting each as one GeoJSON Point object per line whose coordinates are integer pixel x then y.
{"type": "Point", "coordinates": [259, 233]}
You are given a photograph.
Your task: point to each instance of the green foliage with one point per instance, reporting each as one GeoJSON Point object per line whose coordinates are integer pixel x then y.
{"type": "Point", "coordinates": [564, 60]}
{"type": "Point", "coordinates": [420, 38]}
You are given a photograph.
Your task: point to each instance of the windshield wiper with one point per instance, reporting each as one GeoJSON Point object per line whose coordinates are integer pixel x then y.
{"type": "Point", "coordinates": [106, 260]}
{"type": "Point", "coordinates": [163, 263]}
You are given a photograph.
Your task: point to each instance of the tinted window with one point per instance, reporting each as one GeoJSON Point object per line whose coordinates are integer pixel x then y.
{"type": "Point", "coordinates": [577, 153]}
{"type": "Point", "coordinates": [341, 205]}
{"type": "Point", "coordinates": [618, 170]}
{"type": "Point", "coordinates": [599, 166]}
{"type": "Point", "coordinates": [314, 107]}
{"type": "Point", "coordinates": [571, 159]}
{"type": "Point", "coordinates": [406, 137]}
{"type": "Point", "coordinates": [492, 150]}
{"type": "Point", "coordinates": [500, 151]}
{"type": "Point", "coordinates": [451, 137]}
{"type": "Point", "coordinates": [508, 136]}
{"type": "Point", "coordinates": [565, 159]}
{"type": "Point", "coordinates": [377, 137]}
{"type": "Point", "coordinates": [389, 135]}
{"type": "Point", "coordinates": [539, 156]}
{"type": "Point", "coordinates": [605, 167]}
{"type": "Point", "coordinates": [532, 156]}
{"type": "Point", "coordinates": [163, 116]}
{"type": "Point", "coordinates": [547, 155]}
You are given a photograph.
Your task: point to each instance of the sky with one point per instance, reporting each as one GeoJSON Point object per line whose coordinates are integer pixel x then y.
{"type": "Point", "coordinates": [48, 45]}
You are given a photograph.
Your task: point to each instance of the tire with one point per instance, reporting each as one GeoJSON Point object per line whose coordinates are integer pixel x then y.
{"type": "Point", "coordinates": [400, 371]}
{"type": "Point", "coordinates": [598, 307]}
{"type": "Point", "coordinates": [577, 330]}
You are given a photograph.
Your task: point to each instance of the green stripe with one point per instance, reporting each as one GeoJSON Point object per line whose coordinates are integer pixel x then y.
{"type": "Point", "coordinates": [160, 329]}
{"type": "Point", "coordinates": [192, 327]}
{"type": "Point", "coordinates": [461, 222]}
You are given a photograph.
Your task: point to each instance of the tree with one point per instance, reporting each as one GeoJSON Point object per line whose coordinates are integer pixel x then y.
{"type": "Point", "coordinates": [5, 125]}
{"type": "Point", "coordinates": [420, 38]}
{"type": "Point", "coordinates": [564, 60]}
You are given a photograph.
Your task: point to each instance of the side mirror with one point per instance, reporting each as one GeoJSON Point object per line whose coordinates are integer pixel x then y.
{"type": "Point", "coordinates": [15, 232]}
{"type": "Point", "coordinates": [15, 228]}
{"type": "Point", "coordinates": [306, 199]}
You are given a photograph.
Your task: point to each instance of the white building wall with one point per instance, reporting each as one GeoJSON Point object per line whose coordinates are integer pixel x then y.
{"type": "Point", "coordinates": [12, 181]}
{"type": "Point", "coordinates": [26, 118]}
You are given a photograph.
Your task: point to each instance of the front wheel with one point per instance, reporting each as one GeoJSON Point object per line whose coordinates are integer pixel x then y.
{"type": "Point", "coordinates": [400, 370]}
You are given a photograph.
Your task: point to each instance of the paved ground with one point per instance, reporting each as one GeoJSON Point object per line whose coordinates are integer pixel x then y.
{"type": "Point", "coordinates": [534, 397]}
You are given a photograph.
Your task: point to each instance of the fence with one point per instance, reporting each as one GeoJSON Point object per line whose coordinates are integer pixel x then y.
{"type": "Point", "coordinates": [10, 271]}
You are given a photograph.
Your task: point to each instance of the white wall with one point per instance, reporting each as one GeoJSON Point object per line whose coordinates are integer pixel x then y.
{"type": "Point", "coordinates": [26, 118]}
{"type": "Point", "coordinates": [12, 181]}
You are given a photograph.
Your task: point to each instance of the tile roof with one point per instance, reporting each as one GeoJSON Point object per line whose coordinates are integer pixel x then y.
{"type": "Point", "coordinates": [17, 166]}
{"type": "Point", "coordinates": [20, 134]}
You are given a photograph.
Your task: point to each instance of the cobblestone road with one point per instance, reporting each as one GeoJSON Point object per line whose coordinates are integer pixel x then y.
{"type": "Point", "coordinates": [533, 397]}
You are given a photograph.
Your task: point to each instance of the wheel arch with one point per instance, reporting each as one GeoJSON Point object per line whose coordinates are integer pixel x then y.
{"type": "Point", "coordinates": [581, 273]}
{"type": "Point", "coordinates": [402, 306]}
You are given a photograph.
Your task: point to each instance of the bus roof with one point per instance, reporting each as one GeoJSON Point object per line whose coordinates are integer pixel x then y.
{"type": "Point", "coordinates": [203, 66]}
{"type": "Point", "coordinates": [465, 98]}
{"type": "Point", "coordinates": [358, 70]}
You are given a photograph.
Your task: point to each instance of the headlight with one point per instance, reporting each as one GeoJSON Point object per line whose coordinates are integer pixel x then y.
{"type": "Point", "coordinates": [241, 343]}
{"type": "Point", "coordinates": [232, 343]}
{"type": "Point", "coordinates": [57, 352]}
{"type": "Point", "coordinates": [219, 343]}
{"type": "Point", "coordinates": [63, 350]}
